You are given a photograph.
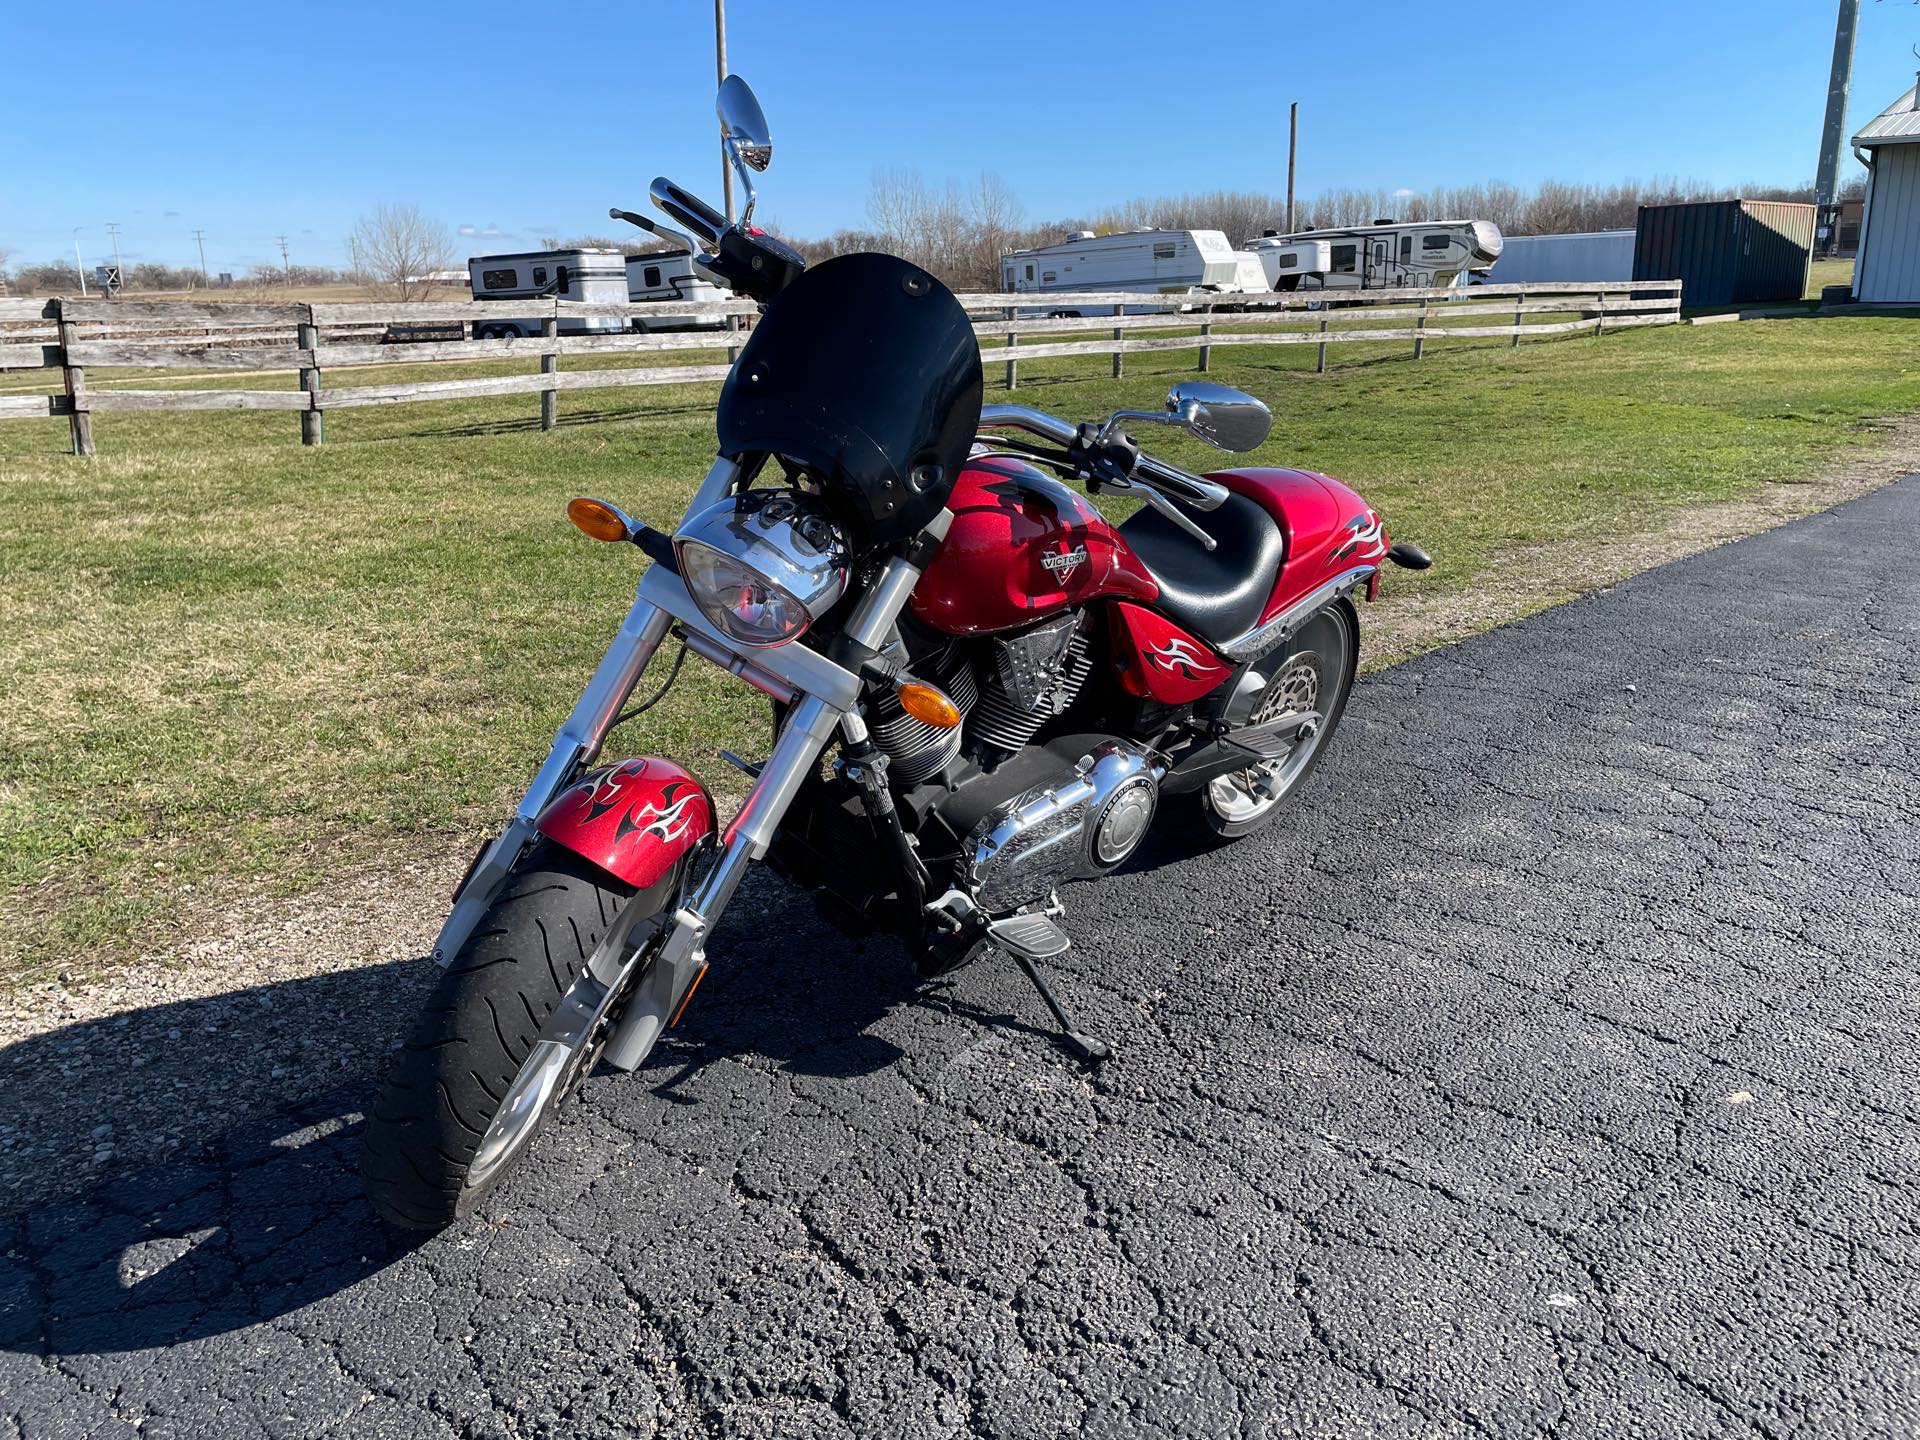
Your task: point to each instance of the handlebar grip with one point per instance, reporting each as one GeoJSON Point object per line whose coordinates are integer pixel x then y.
{"type": "Point", "coordinates": [689, 209]}
{"type": "Point", "coordinates": [630, 218]}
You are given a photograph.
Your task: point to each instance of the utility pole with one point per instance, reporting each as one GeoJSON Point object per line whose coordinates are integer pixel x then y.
{"type": "Point", "coordinates": [1839, 81]}
{"type": "Point", "coordinates": [79, 265]}
{"type": "Point", "coordinates": [720, 67]}
{"type": "Point", "coordinates": [113, 232]}
{"type": "Point", "coordinates": [1293, 146]}
{"type": "Point", "coordinates": [353, 251]}
{"type": "Point", "coordinates": [200, 239]}
{"type": "Point", "coordinates": [286, 266]}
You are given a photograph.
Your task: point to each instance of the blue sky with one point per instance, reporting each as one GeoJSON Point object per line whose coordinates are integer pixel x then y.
{"type": "Point", "coordinates": [251, 121]}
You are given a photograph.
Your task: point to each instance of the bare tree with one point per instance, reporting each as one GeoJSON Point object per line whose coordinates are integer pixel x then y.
{"type": "Point", "coordinates": [399, 248]}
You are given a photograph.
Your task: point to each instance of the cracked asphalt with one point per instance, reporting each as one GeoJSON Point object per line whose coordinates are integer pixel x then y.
{"type": "Point", "coordinates": [1548, 1070]}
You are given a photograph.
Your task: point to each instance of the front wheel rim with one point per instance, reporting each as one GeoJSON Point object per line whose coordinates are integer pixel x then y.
{"type": "Point", "coordinates": [569, 1043]}
{"type": "Point", "coordinates": [542, 1079]}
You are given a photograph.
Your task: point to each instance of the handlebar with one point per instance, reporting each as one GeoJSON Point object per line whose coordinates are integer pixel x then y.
{"type": "Point", "coordinates": [1197, 492]}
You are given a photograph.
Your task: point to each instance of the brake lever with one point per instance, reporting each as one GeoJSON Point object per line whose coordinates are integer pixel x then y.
{"type": "Point", "coordinates": [654, 227]}
{"type": "Point", "coordinates": [1172, 511]}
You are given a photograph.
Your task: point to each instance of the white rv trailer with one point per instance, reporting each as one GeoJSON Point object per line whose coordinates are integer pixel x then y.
{"type": "Point", "coordinates": [1591, 255]}
{"type": "Point", "coordinates": [1390, 256]}
{"type": "Point", "coordinates": [667, 276]}
{"type": "Point", "coordinates": [595, 276]}
{"type": "Point", "coordinates": [1172, 262]}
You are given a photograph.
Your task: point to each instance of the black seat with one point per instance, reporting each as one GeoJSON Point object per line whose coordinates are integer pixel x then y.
{"type": "Point", "coordinates": [1218, 593]}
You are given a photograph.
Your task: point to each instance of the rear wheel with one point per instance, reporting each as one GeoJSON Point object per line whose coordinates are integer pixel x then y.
{"type": "Point", "coordinates": [1314, 677]}
{"type": "Point", "coordinates": [483, 1072]}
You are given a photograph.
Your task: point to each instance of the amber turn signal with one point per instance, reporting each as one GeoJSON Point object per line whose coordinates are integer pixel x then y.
{"type": "Point", "coordinates": [598, 519]}
{"type": "Point", "coordinates": [926, 704]}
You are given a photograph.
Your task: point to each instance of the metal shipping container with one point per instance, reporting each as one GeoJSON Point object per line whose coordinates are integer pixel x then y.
{"type": "Point", "coordinates": [1726, 252]}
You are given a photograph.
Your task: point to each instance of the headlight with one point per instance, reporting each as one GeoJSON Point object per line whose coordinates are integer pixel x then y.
{"type": "Point", "coordinates": [740, 602]}
{"type": "Point", "coordinates": [763, 566]}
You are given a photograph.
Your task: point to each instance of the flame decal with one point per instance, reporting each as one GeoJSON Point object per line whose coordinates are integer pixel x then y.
{"type": "Point", "coordinates": [671, 822]}
{"type": "Point", "coordinates": [1366, 531]}
{"type": "Point", "coordinates": [1179, 657]}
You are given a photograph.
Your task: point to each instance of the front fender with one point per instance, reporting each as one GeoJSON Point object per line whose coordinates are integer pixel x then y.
{"type": "Point", "coordinates": [634, 820]}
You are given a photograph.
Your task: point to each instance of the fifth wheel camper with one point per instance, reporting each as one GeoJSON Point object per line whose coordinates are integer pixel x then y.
{"type": "Point", "coordinates": [1387, 255]}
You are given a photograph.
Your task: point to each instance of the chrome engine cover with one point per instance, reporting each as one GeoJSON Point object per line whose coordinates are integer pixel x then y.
{"type": "Point", "coordinates": [1028, 846]}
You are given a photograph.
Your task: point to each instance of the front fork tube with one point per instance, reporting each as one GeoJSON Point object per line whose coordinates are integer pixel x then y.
{"type": "Point", "coordinates": [809, 727]}
{"type": "Point", "coordinates": [576, 744]}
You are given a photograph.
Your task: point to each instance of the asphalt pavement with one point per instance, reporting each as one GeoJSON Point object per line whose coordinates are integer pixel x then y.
{"type": "Point", "coordinates": [1549, 1069]}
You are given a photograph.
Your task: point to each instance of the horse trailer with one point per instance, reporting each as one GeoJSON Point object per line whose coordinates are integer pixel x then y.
{"type": "Point", "coordinates": [594, 276]}
{"type": "Point", "coordinates": [667, 276]}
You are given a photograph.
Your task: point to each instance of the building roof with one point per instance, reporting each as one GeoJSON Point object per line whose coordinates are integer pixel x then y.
{"type": "Point", "coordinates": [1898, 122]}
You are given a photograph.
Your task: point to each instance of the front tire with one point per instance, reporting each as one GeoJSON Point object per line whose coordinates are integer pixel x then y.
{"type": "Point", "coordinates": [449, 1085]}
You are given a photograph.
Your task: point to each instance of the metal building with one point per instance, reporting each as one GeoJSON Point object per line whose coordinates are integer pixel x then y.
{"type": "Point", "coordinates": [1888, 267]}
{"type": "Point", "coordinates": [1727, 252]}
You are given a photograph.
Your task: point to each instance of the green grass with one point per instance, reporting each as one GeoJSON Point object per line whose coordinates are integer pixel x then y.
{"type": "Point", "coordinates": [1822, 273]}
{"type": "Point", "coordinates": [236, 664]}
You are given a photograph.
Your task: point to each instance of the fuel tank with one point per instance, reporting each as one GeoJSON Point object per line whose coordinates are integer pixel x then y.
{"type": "Point", "coordinates": [1023, 546]}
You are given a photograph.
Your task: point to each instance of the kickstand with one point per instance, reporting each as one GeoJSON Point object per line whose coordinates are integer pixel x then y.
{"type": "Point", "coordinates": [1087, 1049]}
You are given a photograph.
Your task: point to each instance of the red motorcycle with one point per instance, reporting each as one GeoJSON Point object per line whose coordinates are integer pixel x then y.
{"type": "Point", "coordinates": [1013, 688]}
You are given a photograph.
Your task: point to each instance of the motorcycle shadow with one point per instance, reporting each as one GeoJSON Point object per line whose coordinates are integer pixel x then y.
{"type": "Point", "coordinates": [257, 1212]}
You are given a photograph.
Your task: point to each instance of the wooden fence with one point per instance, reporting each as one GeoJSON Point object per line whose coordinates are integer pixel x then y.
{"type": "Point", "coordinates": [74, 336]}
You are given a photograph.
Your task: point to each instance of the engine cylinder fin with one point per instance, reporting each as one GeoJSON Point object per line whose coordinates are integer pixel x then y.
{"type": "Point", "coordinates": [914, 749]}
{"type": "Point", "coordinates": [1001, 719]}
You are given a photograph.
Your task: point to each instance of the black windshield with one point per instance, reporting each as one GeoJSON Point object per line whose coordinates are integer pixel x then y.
{"type": "Point", "coordinates": [865, 370]}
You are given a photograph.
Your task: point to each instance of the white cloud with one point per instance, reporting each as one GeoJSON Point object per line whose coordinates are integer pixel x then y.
{"type": "Point", "coordinates": [1404, 194]}
{"type": "Point", "coordinates": [489, 231]}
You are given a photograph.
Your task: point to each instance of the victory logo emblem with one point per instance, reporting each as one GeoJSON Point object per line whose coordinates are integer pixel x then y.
{"type": "Point", "coordinates": [1064, 564]}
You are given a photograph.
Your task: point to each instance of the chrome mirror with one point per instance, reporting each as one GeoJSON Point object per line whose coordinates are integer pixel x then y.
{"type": "Point", "coordinates": [743, 125]}
{"type": "Point", "coordinates": [1225, 418]}
{"type": "Point", "coordinates": [744, 136]}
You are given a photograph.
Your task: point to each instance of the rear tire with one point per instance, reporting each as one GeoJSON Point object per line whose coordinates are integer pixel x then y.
{"type": "Point", "coordinates": [446, 1086]}
{"type": "Point", "coordinates": [1324, 657]}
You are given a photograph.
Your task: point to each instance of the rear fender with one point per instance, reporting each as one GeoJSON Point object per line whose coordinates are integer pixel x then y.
{"type": "Point", "coordinates": [1330, 530]}
{"type": "Point", "coordinates": [634, 819]}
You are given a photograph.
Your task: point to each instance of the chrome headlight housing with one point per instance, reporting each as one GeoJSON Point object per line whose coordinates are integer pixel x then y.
{"type": "Point", "coordinates": [763, 565]}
